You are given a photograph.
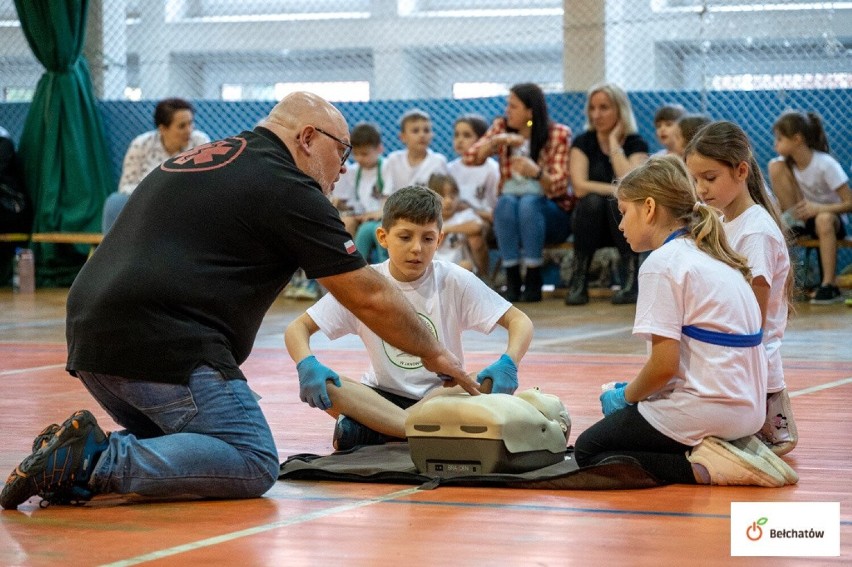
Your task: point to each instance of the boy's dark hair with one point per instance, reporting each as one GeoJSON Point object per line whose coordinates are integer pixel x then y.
{"type": "Point", "coordinates": [165, 110]}
{"type": "Point", "coordinates": [439, 181]}
{"type": "Point", "coordinates": [415, 203]}
{"type": "Point", "coordinates": [413, 115]}
{"type": "Point", "coordinates": [476, 122]}
{"type": "Point", "coordinates": [365, 134]}
{"type": "Point", "coordinates": [689, 124]}
{"type": "Point", "coordinates": [669, 113]}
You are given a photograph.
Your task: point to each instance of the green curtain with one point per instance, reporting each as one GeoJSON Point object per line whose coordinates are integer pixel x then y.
{"type": "Point", "coordinates": [63, 147]}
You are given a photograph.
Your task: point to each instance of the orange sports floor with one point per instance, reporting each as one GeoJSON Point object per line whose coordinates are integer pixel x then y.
{"type": "Point", "coordinates": [331, 523]}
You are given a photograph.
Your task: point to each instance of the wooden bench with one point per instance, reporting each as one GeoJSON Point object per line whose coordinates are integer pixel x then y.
{"type": "Point", "coordinates": [90, 238]}
{"type": "Point", "coordinates": [811, 246]}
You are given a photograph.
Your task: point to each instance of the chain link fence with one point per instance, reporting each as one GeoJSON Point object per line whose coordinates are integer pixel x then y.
{"type": "Point", "coordinates": [730, 59]}
{"type": "Point", "coordinates": [734, 59]}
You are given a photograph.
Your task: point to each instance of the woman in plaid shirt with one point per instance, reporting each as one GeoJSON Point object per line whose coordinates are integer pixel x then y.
{"type": "Point", "coordinates": [535, 202]}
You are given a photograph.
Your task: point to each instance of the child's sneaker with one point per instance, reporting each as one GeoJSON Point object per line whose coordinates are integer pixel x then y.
{"type": "Point", "coordinates": [59, 470]}
{"type": "Point", "coordinates": [827, 294]}
{"type": "Point", "coordinates": [348, 434]}
{"type": "Point", "coordinates": [728, 465]}
{"type": "Point", "coordinates": [755, 446]}
{"type": "Point", "coordinates": [779, 431]}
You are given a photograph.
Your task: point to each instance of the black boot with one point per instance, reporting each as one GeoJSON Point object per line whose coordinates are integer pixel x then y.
{"type": "Point", "coordinates": [629, 268]}
{"type": "Point", "coordinates": [578, 287]}
{"type": "Point", "coordinates": [532, 286]}
{"type": "Point", "coordinates": [513, 283]}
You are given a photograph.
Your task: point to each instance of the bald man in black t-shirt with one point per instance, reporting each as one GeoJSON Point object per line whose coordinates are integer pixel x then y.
{"type": "Point", "coordinates": [166, 310]}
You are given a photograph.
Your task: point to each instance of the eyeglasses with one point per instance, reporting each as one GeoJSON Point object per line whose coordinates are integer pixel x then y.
{"type": "Point", "coordinates": [348, 147]}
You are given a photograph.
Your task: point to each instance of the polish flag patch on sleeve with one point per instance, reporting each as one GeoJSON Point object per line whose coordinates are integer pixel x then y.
{"type": "Point", "coordinates": [350, 247]}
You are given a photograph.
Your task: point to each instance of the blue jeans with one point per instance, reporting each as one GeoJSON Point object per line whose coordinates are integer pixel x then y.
{"type": "Point", "coordinates": [112, 206]}
{"type": "Point", "coordinates": [204, 439]}
{"type": "Point", "coordinates": [525, 223]}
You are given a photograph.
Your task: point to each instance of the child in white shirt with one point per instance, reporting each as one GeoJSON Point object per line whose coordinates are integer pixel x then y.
{"type": "Point", "coordinates": [721, 161]}
{"type": "Point", "coordinates": [690, 414]}
{"type": "Point", "coordinates": [478, 184]}
{"type": "Point", "coordinates": [410, 166]}
{"type": "Point", "coordinates": [460, 223]}
{"type": "Point", "coordinates": [358, 193]}
{"type": "Point", "coordinates": [812, 190]}
{"type": "Point", "coordinates": [449, 300]}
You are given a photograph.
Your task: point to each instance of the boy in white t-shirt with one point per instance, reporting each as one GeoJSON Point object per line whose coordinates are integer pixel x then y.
{"type": "Point", "coordinates": [665, 119]}
{"type": "Point", "coordinates": [448, 298]}
{"type": "Point", "coordinates": [417, 162]}
{"type": "Point", "coordinates": [358, 193]}
{"type": "Point", "coordinates": [411, 166]}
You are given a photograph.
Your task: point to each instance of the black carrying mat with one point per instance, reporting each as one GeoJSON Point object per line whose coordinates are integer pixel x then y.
{"type": "Point", "coordinates": [391, 463]}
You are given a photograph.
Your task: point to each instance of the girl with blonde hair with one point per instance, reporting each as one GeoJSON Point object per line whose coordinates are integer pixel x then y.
{"type": "Point", "coordinates": [690, 413]}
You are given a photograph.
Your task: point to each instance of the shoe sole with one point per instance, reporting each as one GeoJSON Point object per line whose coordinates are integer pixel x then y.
{"type": "Point", "coordinates": [782, 447]}
{"type": "Point", "coordinates": [764, 473]}
{"type": "Point", "coordinates": [21, 484]}
{"type": "Point", "coordinates": [756, 447]}
{"type": "Point", "coordinates": [832, 301]}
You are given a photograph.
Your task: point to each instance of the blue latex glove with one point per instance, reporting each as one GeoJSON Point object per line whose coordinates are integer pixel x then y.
{"type": "Point", "coordinates": [312, 382]}
{"type": "Point", "coordinates": [613, 400]}
{"type": "Point", "coordinates": [503, 374]}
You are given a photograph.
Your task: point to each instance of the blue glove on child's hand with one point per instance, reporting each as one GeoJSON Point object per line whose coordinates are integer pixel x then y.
{"type": "Point", "coordinates": [312, 378]}
{"type": "Point", "coordinates": [503, 374]}
{"type": "Point", "coordinates": [613, 400]}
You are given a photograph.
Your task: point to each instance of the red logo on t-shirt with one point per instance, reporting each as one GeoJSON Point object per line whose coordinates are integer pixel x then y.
{"type": "Point", "coordinates": [206, 157]}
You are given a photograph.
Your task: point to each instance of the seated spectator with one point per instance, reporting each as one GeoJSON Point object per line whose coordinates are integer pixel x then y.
{"type": "Point", "coordinates": [685, 129]}
{"type": "Point", "coordinates": [174, 119]}
{"type": "Point", "coordinates": [812, 190]}
{"type": "Point", "coordinates": [477, 185]}
{"type": "Point", "coordinates": [609, 149]}
{"type": "Point", "coordinates": [460, 223]}
{"type": "Point", "coordinates": [358, 193]}
{"type": "Point", "coordinates": [664, 126]}
{"type": "Point", "coordinates": [15, 209]}
{"type": "Point", "coordinates": [534, 204]}
{"type": "Point", "coordinates": [412, 165]}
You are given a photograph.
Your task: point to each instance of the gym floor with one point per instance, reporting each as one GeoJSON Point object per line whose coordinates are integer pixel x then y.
{"type": "Point", "coordinates": [333, 523]}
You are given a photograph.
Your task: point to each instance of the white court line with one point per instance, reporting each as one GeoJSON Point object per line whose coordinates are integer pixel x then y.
{"type": "Point", "coordinates": [30, 369]}
{"type": "Point", "coordinates": [577, 338]}
{"type": "Point", "coordinates": [256, 530]}
{"type": "Point", "coordinates": [825, 386]}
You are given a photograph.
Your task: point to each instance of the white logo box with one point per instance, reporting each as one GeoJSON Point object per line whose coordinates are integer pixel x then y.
{"type": "Point", "coordinates": [792, 529]}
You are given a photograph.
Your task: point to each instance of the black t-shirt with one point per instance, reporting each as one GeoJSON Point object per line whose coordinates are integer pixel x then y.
{"type": "Point", "coordinates": [600, 168]}
{"type": "Point", "coordinates": [203, 247]}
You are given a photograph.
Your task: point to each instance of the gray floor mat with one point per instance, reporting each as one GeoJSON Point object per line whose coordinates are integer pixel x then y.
{"type": "Point", "coordinates": [391, 463]}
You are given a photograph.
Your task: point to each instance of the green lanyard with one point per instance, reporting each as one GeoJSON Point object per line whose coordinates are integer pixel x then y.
{"type": "Point", "coordinates": [379, 183]}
